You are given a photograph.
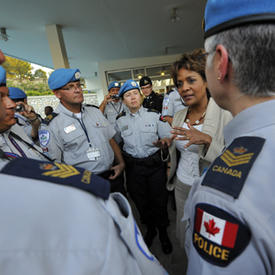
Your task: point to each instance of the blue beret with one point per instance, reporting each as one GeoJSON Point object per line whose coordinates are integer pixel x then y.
{"type": "Point", "coordinates": [127, 86]}
{"type": "Point", "coordinates": [16, 93]}
{"type": "Point", "coordinates": [2, 76]}
{"type": "Point", "coordinates": [61, 77]}
{"type": "Point", "coordinates": [221, 15]}
{"type": "Point", "coordinates": [114, 84]}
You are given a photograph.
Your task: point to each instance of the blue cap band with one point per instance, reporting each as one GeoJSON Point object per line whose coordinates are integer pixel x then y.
{"type": "Point", "coordinates": [127, 86]}
{"type": "Point", "coordinates": [61, 77]}
{"type": "Point", "coordinates": [2, 76]}
{"type": "Point", "coordinates": [16, 93]}
{"type": "Point", "coordinates": [221, 15]}
{"type": "Point", "coordinates": [114, 84]}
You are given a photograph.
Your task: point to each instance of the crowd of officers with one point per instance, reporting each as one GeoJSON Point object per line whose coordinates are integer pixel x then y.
{"type": "Point", "coordinates": [118, 148]}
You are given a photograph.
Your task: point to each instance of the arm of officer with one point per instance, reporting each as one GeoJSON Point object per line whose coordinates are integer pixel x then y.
{"type": "Point", "coordinates": [118, 156]}
{"type": "Point", "coordinates": [107, 98]}
{"type": "Point", "coordinates": [49, 143]}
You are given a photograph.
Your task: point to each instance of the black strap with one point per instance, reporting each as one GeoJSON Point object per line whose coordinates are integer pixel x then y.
{"type": "Point", "coordinates": [30, 145]}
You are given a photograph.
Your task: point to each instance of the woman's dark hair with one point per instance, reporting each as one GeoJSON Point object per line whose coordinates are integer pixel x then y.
{"type": "Point", "coordinates": [192, 61]}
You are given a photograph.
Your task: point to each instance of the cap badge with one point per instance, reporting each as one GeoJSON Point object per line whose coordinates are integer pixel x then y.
{"type": "Point", "coordinates": [133, 83]}
{"type": "Point", "coordinates": [77, 75]}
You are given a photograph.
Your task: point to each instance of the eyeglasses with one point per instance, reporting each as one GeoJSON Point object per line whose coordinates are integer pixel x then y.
{"type": "Point", "coordinates": [73, 87]}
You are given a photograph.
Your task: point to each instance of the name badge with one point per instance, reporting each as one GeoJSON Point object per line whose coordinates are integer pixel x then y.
{"type": "Point", "coordinates": [69, 128]}
{"type": "Point", "coordinates": [93, 153]}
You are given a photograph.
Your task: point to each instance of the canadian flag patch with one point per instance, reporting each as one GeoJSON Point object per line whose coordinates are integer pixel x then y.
{"type": "Point", "coordinates": [218, 236]}
{"type": "Point", "coordinates": [216, 229]}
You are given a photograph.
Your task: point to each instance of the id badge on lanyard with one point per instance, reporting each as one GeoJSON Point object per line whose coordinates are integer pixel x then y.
{"type": "Point", "coordinates": [93, 153]}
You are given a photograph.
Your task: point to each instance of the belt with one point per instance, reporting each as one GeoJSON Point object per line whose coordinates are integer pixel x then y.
{"type": "Point", "coordinates": [148, 161]}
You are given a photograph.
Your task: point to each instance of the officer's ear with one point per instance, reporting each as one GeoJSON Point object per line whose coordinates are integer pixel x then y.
{"type": "Point", "coordinates": [57, 93]}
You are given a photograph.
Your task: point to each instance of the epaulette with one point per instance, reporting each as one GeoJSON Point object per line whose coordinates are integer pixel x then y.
{"type": "Point", "coordinates": [169, 92]}
{"type": "Point", "coordinates": [153, 110]}
{"type": "Point", "coordinates": [230, 170]}
{"type": "Point", "coordinates": [91, 105]}
{"type": "Point", "coordinates": [49, 118]}
{"type": "Point", "coordinates": [59, 173]}
{"type": "Point", "coordinates": [123, 113]}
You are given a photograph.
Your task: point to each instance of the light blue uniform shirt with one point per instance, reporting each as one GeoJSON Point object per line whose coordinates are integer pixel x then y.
{"type": "Point", "coordinates": [255, 205]}
{"type": "Point", "coordinates": [112, 110]}
{"type": "Point", "coordinates": [139, 130]}
{"type": "Point", "coordinates": [53, 229]}
{"type": "Point", "coordinates": [65, 140]}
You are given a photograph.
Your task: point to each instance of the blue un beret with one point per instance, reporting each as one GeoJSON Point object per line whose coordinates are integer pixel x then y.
{"type": "Point", "coordinates": [127, 86]}
{"type": "Point", "coordinates": [114, 84]}
{"type": "Point", "coordinates": [2, 76]}
{"type": "Point", "coordinates": [16, 93]}
{"type": "Point", "coordinates": [61, 77]}
{"type": "Point", "coordinates": [225, 14]}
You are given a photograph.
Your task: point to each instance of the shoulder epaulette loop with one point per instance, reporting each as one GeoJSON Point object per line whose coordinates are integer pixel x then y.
{"type": "Point", "coordinates": [91, 105]}
{"type": "Point", "coordinates": [123, 113]}
{"type": "Point", "coordinates": [153, 110]}
{"type": "Point", "coordinates": [49, 118]}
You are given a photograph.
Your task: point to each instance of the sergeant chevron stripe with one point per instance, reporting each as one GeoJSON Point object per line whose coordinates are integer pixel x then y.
{"type": "Point", "coordinates": [232, 160]}
{"type": "Point", "coordinates": [63, 172]}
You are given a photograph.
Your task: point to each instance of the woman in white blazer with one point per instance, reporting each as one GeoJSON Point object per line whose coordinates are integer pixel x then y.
{"type": "Point", "coordinates": [197, 130]}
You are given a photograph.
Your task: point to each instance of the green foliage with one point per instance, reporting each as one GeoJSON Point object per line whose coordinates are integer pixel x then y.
{"type": "Point", "coordinates": [17, 69]}
{"type": "Point", "coordinates": [40, 74]}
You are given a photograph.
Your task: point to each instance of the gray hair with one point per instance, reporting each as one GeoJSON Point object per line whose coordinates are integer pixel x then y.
{"type": "Point", "coordinates": [251, 50]}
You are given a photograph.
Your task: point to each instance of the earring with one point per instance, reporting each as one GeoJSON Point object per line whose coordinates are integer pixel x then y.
{"type": "Point", "coordinates": [219, 78]}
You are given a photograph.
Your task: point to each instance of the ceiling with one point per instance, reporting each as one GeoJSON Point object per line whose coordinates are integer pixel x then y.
{"type": "Point", "coordinates": [98, 30]}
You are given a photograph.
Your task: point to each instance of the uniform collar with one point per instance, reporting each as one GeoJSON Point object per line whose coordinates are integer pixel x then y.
{"type": "Point", "coordinates": [62, 109]}
{"type": "Point", "coordinates": [250, 119]}
{"type": "Point", "coordinates": [139, 112]}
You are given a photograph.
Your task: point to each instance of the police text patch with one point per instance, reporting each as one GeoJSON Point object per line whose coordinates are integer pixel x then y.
{"type": "Point", "coordinates": [218, 237]}
{"type": "Point", "coordinates": [229, 171]}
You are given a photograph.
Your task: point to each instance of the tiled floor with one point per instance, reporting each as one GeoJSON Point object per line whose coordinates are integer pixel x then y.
{"type": "Point", "coordinates": [174, 263]}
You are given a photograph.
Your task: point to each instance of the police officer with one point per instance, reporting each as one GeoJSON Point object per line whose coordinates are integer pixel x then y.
{"type": "Point", "coordinates": [58, 219]}
{"type": "Point", "coordinates": [151, 100]}
{"type": "Point", "coordinates": [112, 105]}
{"type": "Point", "coordinates": [232, 209]}
{"type": "Point", "coordinates": [13, 139]}
{"type": "Point", "coordinates": [25, 114]}
{"type": "Point", "coordinates": [139, 128]}
{"type": "Point", "coordinates": [79, 134]}
{"type": "Point", "coordinates": [172, 103]}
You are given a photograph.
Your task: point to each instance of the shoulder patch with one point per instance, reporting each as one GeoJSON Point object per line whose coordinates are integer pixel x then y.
{"type": "Point", "coordinates": [91, 105]}
{"type": "Point", "coordinates": [153, 110]}
{"type": "Point", "coordinates": [230, 170]}
{"type": "Point", "coordinates": [49, 118]}
{"type": "Point", "coordinates": [218, 237]}
{"type": "Point", "coordinates": [123, 113]}
{"type": "Point", "coordinates": [59, 173]}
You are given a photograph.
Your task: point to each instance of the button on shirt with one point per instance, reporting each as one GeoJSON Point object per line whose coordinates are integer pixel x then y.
{"type": "Point", "coordinates": [67, 142]}
{"type": "Point", "coordinates": [255, 204]}
{"type": "Point", "coordinates": [139, 131]}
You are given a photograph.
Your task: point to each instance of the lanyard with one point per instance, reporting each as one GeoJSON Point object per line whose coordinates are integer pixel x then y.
{"type": "Point", "coordinates": [16, 145]}
{"type": "Point", "coordinates": [85, 130]}
{"type": "Point", "coordinates": [119, 108]}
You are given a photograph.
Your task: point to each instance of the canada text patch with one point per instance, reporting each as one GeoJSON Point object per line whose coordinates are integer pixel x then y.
{"type": "Point", "coordinates": [218, 236]}
{"type": "Point", "coordinates": [229, 171]}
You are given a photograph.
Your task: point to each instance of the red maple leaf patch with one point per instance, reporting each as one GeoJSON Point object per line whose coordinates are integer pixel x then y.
{"type": "Point", "coordinates": [210, 227]}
